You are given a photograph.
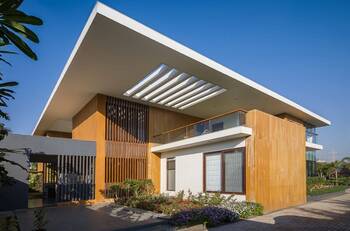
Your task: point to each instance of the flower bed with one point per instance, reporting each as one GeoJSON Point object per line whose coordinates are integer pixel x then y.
{"type": "Point", "coordinates": [212, 209]}
{"type": "Point", "coordinates": [210, 216]}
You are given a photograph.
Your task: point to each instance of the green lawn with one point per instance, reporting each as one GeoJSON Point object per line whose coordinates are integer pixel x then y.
{"type": "Point", "coordinates": [339, 188]}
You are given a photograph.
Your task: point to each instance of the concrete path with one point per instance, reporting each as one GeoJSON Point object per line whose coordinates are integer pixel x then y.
{"type": "Point", "coordinates": [330, 214]}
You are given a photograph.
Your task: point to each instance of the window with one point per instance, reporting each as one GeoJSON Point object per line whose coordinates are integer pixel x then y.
{"type": "Point", "coordinates": [170, 165]}
{"type": "Point", "coordinates": [224, 171]}
{"type": "Point", "coordinates": [213, 172]}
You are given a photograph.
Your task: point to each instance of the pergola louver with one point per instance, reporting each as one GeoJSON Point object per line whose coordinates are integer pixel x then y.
{"type": "Point", "coordinates": [170, 87]}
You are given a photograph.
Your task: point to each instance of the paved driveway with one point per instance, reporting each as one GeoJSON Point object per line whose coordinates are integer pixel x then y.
{"type": "Point", "coordinates": [104, 217]}
{"type": "Point", "coordinates": [329, 214]}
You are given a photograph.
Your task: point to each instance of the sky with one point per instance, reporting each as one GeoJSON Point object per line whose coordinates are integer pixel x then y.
{"type": "Point", "coordinates": [299, 49]}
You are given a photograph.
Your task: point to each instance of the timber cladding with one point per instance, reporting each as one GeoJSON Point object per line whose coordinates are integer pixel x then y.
{"type": "Point", "coordinates": [275, 161]}
{"type": "Point", "coordinates": [123, 132]}
{"type": "Point", "coordinates": [89, 124]}
{"type": "Point", "coordinates": [126, 140]}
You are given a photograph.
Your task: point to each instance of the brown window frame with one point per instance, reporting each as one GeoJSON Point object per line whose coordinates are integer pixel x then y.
{"type": "Point", "coordinates": [222, 153]}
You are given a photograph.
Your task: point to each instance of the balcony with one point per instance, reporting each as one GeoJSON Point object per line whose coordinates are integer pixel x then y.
{"type": "Point", "coordinates": [219, 128]}
{"type": "Point", "coordinates": [311, 140]}
{"type": "Point", "coordinates": [311, 135]}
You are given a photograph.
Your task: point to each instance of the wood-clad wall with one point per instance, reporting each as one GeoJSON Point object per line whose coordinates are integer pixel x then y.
{"type": "Point", "coordinates": [89, 124]}
{"type": "Point", "coordinates": [126, 140]}
{"type": "Point", "coordinates": [161, 120]}
{"type": "Point", "coordinates": [123, 132]}
{"type": "Point", "coordinates": [275, 161]}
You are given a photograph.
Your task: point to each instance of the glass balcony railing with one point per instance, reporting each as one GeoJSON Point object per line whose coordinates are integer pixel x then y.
{"type": "Point", "coordinates": [214, 124]}
{"type": "Point", "coordinates": [311, 135]}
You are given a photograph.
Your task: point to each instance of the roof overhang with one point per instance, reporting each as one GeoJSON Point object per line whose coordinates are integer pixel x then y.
{"type": "Point", "coordinates": [115, 52]}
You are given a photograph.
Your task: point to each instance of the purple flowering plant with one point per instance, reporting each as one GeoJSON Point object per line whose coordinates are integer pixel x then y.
{"type": "Point", "coordinates": [211, 216]}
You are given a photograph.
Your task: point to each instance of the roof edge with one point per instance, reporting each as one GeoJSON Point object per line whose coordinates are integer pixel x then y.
{"type": "Point", "coordinates": [71, 56]}
{"type": "Point", "coordinates": [132, 24]}
{"type": "Point", "coordinates": [164, 40]}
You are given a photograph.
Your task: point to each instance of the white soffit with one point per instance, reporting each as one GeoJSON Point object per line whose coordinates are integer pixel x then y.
{"type": "Point", "coordinates": [159, 84]}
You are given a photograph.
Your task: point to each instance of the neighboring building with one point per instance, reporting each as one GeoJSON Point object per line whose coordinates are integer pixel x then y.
{"type": "Point", "coordinates": [157, 109]}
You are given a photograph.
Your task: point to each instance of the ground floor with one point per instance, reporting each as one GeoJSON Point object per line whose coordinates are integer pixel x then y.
{"type": "Point", "coordinates": [326, 214]}
{"type": "Point", "coordinates": [216, 167]}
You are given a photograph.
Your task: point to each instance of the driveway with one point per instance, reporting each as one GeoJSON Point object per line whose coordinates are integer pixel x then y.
{"type": "Point", "coordinates": [329, 214]}
{"type": "Point", "coordinates": [105, 217]}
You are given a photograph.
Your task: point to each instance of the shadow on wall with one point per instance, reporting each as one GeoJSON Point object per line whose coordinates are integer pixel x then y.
{"type": "Point", "coordinates": [15, 196]}
{"type": "Point", "coordinates": [308, 218]}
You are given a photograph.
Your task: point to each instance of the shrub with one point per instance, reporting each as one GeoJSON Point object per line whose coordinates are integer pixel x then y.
{"type": "Point", "coordinates": [211, 216]}
{"type": "Point", "coordinates": [316, 180]}
{"type": "Point", "coordinates": [206, 199]}
{"type": "Point", "coordinates": [147, 202]}
{"type": "Point", "coordinates": [132, 188]}
{"type": "Point", "coordinates": [39, 219]}
{"type": "Point", "coordinates": [9, 223]}
{"type": "Point", "coordinates": [342, 181]}
{"type": "Point", "coordinates": [245, 209]}
{"type": "Point", "coordinates": [180, 196]}
{"type": "Point", "coordinates": [174, 206]}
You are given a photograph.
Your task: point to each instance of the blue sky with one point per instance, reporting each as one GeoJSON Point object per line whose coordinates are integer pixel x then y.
{"type": "Point", "coordinates": [300, 49]}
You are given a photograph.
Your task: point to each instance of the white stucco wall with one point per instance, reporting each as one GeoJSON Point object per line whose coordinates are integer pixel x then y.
{"type": "Point", "coordinates": [189, 166]}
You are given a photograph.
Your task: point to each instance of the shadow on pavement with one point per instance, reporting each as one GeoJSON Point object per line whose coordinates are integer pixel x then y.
{"type": "Point", "coordinates": [332, 214]}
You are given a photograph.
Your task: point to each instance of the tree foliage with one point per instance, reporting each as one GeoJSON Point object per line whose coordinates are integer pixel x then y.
{"type": "Point", "coordinates": [334, 168]}
{"type": "Point", "coordinates": [13, 28]}
{"type": "Point", "coordinates": [14, 32]}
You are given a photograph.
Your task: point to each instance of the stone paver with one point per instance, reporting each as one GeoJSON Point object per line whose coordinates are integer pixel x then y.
{"type": "Point", "coordinates": [329, 214]}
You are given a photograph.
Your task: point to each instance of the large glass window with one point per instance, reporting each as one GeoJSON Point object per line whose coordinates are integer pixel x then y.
{"type": "Point", "coordinates": [213, 172]}
{"type": "Point", "coordinates": [233, 171]}
{"type": "Point", "coordinates": [224, 171]}
{"type": "Point", "coordinates": [171, 170]}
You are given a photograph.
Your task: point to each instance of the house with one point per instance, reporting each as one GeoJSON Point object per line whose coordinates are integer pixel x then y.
{"type": "Point", "coordinates": [159, 110]}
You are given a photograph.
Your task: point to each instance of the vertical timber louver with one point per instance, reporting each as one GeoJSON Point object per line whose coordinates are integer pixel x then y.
{"type": "Point", "coordinates": [126, 140]}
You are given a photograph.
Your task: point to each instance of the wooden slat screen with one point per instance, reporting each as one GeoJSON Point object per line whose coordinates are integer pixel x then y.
{"type": "Point", "coordinates": [125, 161]}
{"type": "Point", "coordinates": [126, 121]}
{"type": "Point", "coordinates": [126, 140]}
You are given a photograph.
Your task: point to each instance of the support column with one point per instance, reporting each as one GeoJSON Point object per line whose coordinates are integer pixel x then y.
{"type": "Point", "coordinates": [89, 124]}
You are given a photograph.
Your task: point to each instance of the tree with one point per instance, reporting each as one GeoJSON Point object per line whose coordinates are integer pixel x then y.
{"type": "Point", "coordinates": [337, 165]}
{"type": "Point", "coordinates": [13, 31]}
{"type": "Point", "coordinates": [322, 169]}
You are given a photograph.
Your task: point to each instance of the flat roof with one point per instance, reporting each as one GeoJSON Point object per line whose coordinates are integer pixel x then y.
{"type": "Point", "coordinates": [115, 52]}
